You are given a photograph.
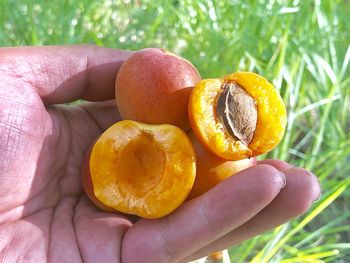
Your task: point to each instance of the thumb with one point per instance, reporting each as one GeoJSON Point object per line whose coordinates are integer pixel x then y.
{"type": "Point", "coordinates": [61, 74]}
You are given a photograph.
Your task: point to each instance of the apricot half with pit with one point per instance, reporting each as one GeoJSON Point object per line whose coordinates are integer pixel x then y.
{"type": "Point", "coordinates": [211, 169]}
{"type": "Point", "coordinates": [141, 169]}
{"type": "Point", "coordinates": [238, 116]}
{"type": "Point", "coordinates": [153, 86]}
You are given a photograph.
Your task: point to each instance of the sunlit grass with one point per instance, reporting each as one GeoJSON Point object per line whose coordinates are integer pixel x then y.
{"type": "Point", "coordinates": [303, 47]}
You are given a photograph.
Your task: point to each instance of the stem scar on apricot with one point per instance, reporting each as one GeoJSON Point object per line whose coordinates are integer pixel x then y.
{"type": "Point", "coordinates": [237, 110]}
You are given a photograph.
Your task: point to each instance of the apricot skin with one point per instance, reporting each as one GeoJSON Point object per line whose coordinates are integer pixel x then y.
{"type": "Point", "coordinates": [153, 86]}
{"type": "Point", "coordinates": [211, 169]}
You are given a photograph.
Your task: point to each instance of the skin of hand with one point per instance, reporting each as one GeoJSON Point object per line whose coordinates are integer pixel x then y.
{"type": "Point", "coordinates": [44, 214]}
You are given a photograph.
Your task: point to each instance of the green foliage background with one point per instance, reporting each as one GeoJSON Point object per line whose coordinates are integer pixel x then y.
{"type": "Point", "coordinates": [303, 47]}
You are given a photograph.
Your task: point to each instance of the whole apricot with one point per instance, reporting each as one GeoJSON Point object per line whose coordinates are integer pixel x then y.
{"type": "Point", "coordinates": [141, 169]}
{"type": "Point", "coordinates": [153, 86]}
{"type": "Point", "coordinates": [211, 169]}
{"type": "Point", "coordinates": [238, 116]}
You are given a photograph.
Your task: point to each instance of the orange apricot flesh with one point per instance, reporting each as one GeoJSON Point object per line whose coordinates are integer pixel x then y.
{"type": "Point", "coordinates": [87, 184]}
{"type": "Point", "coordinates": [141, 169]}
{"type": "Point", "coordinates": [211, 169]}
{"type": "Point", "coordinates": [213, 133]}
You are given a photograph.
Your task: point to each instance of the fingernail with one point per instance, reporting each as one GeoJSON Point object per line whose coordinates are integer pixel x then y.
{"type": "Point", "coordinates": [320, 193]}
{"type": "Point", "coordinates": [283, 179]}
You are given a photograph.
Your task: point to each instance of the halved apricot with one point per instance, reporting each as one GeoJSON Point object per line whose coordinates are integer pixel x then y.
{"type": "Point", "coordinates": [141, 169]}
{"type": "Point", "coordinates": [211, 169]}
{"type": "Point", "coordinates": [238, 116]}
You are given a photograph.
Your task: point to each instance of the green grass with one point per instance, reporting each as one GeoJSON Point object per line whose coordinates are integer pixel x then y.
{"type": "Point", "coordinates": [303, 47]}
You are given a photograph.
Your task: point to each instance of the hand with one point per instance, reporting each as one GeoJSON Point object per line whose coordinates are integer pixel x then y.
{"type": "Point", "coordinates": [44, 214]}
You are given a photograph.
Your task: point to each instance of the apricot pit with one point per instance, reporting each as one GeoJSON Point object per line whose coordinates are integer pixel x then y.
{"type": "Point", "coordinates": [238, 116]}
{"type": "Point", "coordinates": [236, 109]}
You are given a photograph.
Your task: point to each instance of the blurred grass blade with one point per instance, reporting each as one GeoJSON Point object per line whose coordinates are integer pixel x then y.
{"type": "Point", "coordinates": [322, 230]}
{"type": "Point", "coordinates": [326, 67]}
{"type": "Point", "coordinates": [340, 188]}
{"type": "Point", "coordinates": [312, 257]}
{"type": "Point", "coordinates": [345, 64]}
{"type": "Point", "coordinates": [279, 232]}
{"type": "Point", "coordinates": [225, 256]}
{"type": "Point", "coordinates": [317, 104]}
{"type": "Point", "coordinates": [288, 10]}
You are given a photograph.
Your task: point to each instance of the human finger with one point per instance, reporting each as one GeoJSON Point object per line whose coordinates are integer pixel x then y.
{"type": "Point", "coordinates": [204, 219]}
{"type": "Point", "coordinates": [61, 74]}
{"type": "Point", "coordinates": [301, 190]}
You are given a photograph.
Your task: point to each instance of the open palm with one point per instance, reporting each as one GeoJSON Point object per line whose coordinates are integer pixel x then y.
{"type": "Point", "coordinates": [45, 216]}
